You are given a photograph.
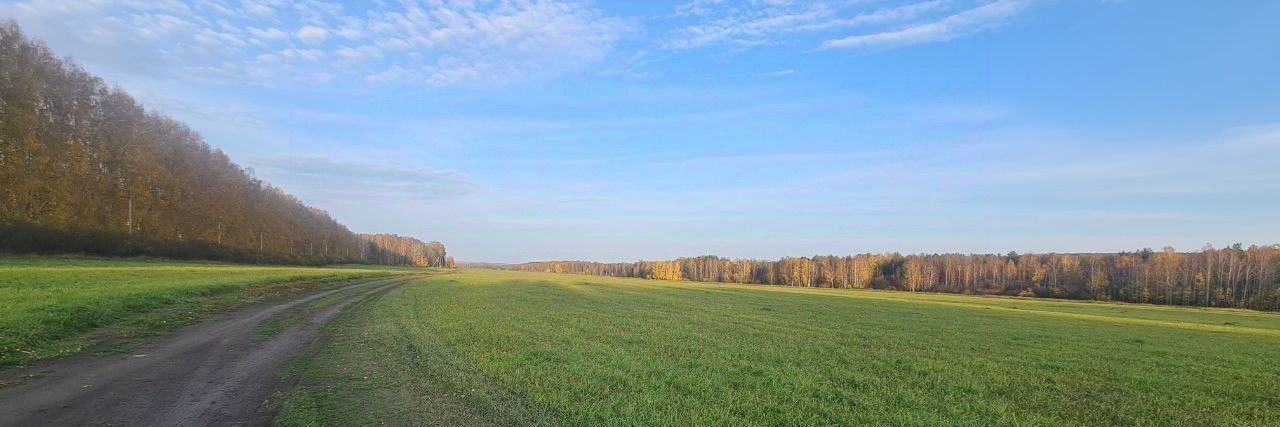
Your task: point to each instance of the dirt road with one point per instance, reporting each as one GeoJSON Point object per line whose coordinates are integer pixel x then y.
{"type": "Point", "coordinates": [215, 373]}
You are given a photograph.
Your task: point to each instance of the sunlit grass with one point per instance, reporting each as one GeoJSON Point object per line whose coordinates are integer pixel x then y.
{"type": "Point", "coordinates": [486, 347]}
{"type": "Point", "coordinates": [47, 302]}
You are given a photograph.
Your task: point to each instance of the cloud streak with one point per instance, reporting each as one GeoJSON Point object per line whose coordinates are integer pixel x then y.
{"type": "Point", "coordinates": [762, 22]}
{"type": "Point", "coordinates": [982, 18]}
{"type": "Point", "coordinates": [772, 22]}
{"type": "Point", "coordinates": [337, 180]}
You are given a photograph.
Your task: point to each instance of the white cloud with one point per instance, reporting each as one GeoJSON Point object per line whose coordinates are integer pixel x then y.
{"type": "Point", "coordinates": [326, 177]}
{"type": "Point", "coordinates": [320, 78]}
{"type": "Point", "coordinates": [158, 26]}
{"type": "Point", "coordinates": [436, 43]}
{"type": "Point", "coordinates": [698, 7]}
{"type": "Point", "coordinates": [312, 35]}
{"type": "Point", "coordinates": [762, 22]}
{"type": "Point", "coordinates": [891, 14]}
{"type": "Point", "coordinates": [971, 21]}
{"type": "Point", "coordinates": [491, 44]}
{"type": "Point", "coordinates": [309, 55]}
{"type": "Point", "coordinates": [394, 73]}
{"type": "Point", "coordinates": [359, 54]}
{"type": "Point", "coordinates": [268, 34]}
{"type": "Point", "coordinates": [257, 8]}
{"type": "Point", "coordinates": [1259, 137]}
{"type": "Point", "coordinates": [481, 43]}
{"type": "Point", "coordinates": [772, 22]}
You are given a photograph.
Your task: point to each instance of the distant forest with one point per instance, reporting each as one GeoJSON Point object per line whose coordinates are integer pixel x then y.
{"type": "Point", "coordinates": [84, 168]}
{"type": "Point", "coordinates": [391, 249]}
{"type": "Point", "coordinates": [1229, 277]}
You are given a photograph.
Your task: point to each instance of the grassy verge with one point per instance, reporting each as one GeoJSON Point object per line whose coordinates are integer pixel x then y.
{"type": "Point", "coordinates": [503, 348]}
{"type": "Point", "coordinates": [55, 306]}
{"type": "Point", "coordinates": [367, 360]}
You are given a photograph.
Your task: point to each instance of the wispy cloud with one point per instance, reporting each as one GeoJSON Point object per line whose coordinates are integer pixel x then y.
{"type": "Point", "coordinates": [333, 179]}
{"type": "Point", "coordinates": [481, 43]}
{"type": "Point", "coordinates": [460, 43]}
{"type": "Point", "coordinates": [477, 44]}
{"type": "Point", "coordinates": [764, 22]}
{"type": "Point", "coordinates": [981, 18]}
{"type": "Point", "coordinates": [771, 22]}
{"type": "Point", "coordinates": [1257, 137]}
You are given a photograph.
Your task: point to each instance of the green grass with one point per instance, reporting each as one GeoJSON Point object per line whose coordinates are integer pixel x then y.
{"type": "Point", "coordinates": [298, 315]}
{"type": "Point", "coordinates": [49, 304]}
{"type": "Point", "coordinates": [506, 348]}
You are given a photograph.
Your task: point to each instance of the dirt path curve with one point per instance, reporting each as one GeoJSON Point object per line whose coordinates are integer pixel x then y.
{"type": "Point", "coordinates": [211, 374]}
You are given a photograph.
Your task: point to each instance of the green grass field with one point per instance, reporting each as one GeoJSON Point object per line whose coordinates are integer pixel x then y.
{"type": "Point", "coordinates": [47, 304]}
{"type": "Point", "coordinates": [504, 348]}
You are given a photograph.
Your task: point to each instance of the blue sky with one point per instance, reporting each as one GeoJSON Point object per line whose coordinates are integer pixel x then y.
{"type": "Point", "coordinates": [531, 130]}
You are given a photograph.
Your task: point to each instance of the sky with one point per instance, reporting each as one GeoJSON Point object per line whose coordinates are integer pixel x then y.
{"type": "Point", "coordinates": [617, 131]}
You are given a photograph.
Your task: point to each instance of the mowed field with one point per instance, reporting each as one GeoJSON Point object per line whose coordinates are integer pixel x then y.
{"type": "Point", "coordinates": [485, 347]}
{"type": "Point", "coordinates": [47, 304]}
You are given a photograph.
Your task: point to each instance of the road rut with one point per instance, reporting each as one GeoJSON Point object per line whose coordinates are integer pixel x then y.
{"type": "Point", "coordinates": [213, 373]}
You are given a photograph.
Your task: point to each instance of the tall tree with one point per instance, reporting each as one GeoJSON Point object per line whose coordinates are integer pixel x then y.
{"type": "Point", "coordinates": [85, 168]}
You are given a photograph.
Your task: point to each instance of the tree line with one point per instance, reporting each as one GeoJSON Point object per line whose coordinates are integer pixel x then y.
{"type": "Point", "coordinates": [393, 249]}
{"type": "Point", "coordinates": [85, 168]}
{"type": "Point", "coordinates": [1234, 276]}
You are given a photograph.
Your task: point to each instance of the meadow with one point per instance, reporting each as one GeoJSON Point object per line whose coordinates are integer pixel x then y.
{"type": "Point", "coordinates": [483, 347]}
{"type": "Point", "coordinates": [50, 303]}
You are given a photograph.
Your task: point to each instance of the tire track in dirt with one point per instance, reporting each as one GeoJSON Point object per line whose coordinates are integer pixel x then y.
{"type": "Point", "coordinates": [213, 373]}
